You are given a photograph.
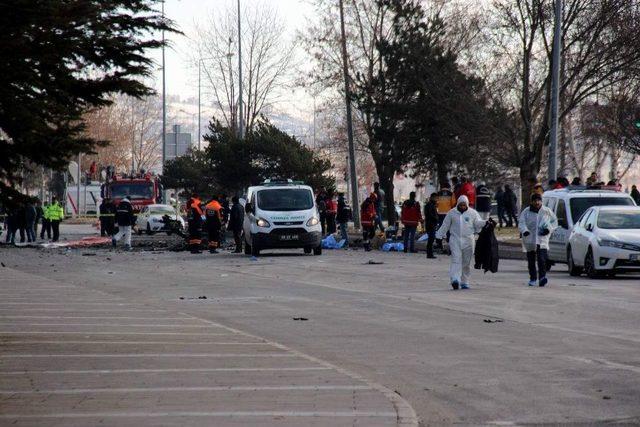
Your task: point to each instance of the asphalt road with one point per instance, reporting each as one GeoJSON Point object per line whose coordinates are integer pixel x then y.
{"type": "Point", "coordinates": [501, 353]}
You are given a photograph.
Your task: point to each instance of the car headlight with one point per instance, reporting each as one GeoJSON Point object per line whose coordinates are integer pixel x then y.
{"type": "Point", "coordinates": [263, 223]}
{"type": "Point", "coordinates": [619, 245]}
{"type": "Point", "coordinates": [312, 221]}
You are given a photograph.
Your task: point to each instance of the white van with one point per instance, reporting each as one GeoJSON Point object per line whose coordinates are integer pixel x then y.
{"type": "Point", "coordinates": [569, 204]}
{"type": "Point", "coordinates": [281, 214]}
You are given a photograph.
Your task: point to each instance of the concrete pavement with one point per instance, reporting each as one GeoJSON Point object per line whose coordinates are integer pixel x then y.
{"type": "Point", "coordinates": [502, 353]}
{"type": "Point", "coordinates": [74, 356]}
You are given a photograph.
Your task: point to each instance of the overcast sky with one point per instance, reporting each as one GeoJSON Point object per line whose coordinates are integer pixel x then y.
{"type": "Point", "coordinates": [181, 78]}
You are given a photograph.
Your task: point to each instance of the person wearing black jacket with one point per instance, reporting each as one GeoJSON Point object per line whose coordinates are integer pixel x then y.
{"type": "Point", "coordinates": [30, 215]}
{"type": "Point", "coordinates": [431, 222]}
{"type": "Point", "coordinates": [483, 201]}
{"type": "Point", "coordinates": [21, 221]}
{"type": "Point", "coordinates": [236, 220]}
{"type": "Point", "coordinates": [511, 206]}
{"type": "Point", "coordinates": [107, 217]}
{"type": "Point", "coordinates": [125, 220]}
{"type": "Point", "coordinates": [342, 218]}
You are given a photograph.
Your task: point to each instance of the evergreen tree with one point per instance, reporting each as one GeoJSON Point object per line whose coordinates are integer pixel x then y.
{"type": "Point", "coordinates": [60, 59]}
{"type": "Point", "coordinates": [230, 164]}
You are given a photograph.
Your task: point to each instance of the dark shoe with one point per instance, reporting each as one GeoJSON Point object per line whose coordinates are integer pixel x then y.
{"type": "Point", "coordinates": [431, 257]}
{"type": "Point", "coordinates": [464, 286]}
{"type": "Point", "coordinates": [213, 251]}
{"type": "Point", "coordinates": [455, 285]}
{"type": "Point", "coordinates": [414, 251]}
{"type": "Point", "coordinates": [542, 282]}
{"type": "Point", "coordinates": [405, 251]}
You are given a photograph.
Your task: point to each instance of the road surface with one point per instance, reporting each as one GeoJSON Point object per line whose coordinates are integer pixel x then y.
{"type": "Point", "coordinates": [381, 341]}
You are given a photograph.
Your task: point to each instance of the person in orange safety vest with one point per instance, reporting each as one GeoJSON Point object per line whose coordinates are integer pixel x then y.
{"type": "Point", "coordinates": [194, 220]}
{"type": "Point", "coordinates": [213, 223]}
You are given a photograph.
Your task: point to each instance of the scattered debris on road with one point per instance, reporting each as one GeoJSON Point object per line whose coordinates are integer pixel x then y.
{"type": "Point", "coordinates": [493, 320]}
{"type": "Point", "coordinates": [300, 318]}
{"type": "Point", "coordinates": [372, 262]}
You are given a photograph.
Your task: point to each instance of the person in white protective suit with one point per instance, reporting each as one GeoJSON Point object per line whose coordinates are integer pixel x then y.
{"type": "Point", "coordinates": [462, 222]}
{"type": "Point", "coordinates": [536, 224]}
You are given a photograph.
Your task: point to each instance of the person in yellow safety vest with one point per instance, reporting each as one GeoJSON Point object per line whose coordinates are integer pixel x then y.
{"type": "Point", "coordinates": [56, 215]}
{"type": "Point", "coordinates": [46, 222]}
{"type": "Point", "coordinates": [213, 223]}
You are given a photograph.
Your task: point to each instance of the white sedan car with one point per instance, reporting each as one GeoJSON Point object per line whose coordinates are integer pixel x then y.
{"type": "Point", "coordinates": [150, 218]}
{"type": "Point", "coordinates": [606, 240]}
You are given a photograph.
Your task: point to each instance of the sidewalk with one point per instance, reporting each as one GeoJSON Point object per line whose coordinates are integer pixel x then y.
{"type": "Point", "coordinates": [72, 356]}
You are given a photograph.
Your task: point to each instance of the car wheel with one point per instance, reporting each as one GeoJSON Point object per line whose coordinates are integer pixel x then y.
{"type": "Point", "coordinates": [169, 233]}
{"type": "Point", "coordinates": [307, 250]}
{"type": "Point", "coordinates": [149, 232]}
{"type": "Point", "coordinates": [574, 270]}
{"type": "Point", "coordinates": [590, 266]}
{"type": "Point", "coordinates": [139, 231]}
{"type": "Point", "coordinates": [317, 250]}
{"type": "Point", "coordinates": [247, 248]}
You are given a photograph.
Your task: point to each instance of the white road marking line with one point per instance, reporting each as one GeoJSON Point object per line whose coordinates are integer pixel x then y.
{"type": "Point", "coordinates": [606, 363]}
{"type": "Point", "coordinates": [90, 310]}
{"type": "Point", "coordinates": [186, 389]}
{"type": "Point", "coordinates": [192, 334]}
{"type": "Point", "coordinates": [137, 325]}
{"type": "Point", "coordinates": [309, 414]}
{"type": "Point", "coordinates": [96, 317]}
{"type": "Point", "coordinates": [92, 302]}
{"type": "Point", "coordinates": [139, 355]}
{"type": "Point", "coordinates": [136, 342]}
{"type": "Point", "coordinates": [168, 370]}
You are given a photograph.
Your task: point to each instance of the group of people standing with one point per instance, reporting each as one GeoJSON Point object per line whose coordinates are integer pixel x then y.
{"type": "Point", "coordinates": [23, 218]}
{"type": "Point", "coordinates": [214, 217]}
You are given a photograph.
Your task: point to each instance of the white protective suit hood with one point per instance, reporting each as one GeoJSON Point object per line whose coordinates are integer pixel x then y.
{"type": "Point", "coordinates": [463, 199]}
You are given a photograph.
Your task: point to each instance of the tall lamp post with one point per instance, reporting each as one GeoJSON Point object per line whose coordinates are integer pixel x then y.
{"type": "Point", "coordinates": [555, 93]}
{"type": "Point", "coordinates": [352, 150]}
{"type": "Point", "coordinates": [240, 109]}
{"type": "Point", "coordinates": [164, 102]}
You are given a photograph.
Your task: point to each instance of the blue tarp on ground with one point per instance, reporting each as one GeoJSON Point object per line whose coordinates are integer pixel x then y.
{"type": "Point", "coordinates": [330, 242]}
{"type": "Point", "coordinates": [391, 246]}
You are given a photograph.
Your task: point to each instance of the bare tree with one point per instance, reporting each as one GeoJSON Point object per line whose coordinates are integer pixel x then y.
{"type": "Point", "coordinates": [130, 129]}
{"type": "Point", "coordinates": [266, 59]}
{"type": "Point", "coordinates": [599, 50]}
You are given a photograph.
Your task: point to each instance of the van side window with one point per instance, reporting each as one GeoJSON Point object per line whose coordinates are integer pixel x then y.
{"type": "Point", "coordinates": [561, 213]}
{"type": "Point", "coordinates": [551, 203]}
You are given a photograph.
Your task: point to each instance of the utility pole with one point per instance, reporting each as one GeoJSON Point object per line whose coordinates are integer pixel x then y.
{"type": "Point", "coordinates": [352, 151]}
{"type": "Point", "coordinates": [133, 138]}
{"type": "Point", "coordinates": [240, 109]}
{"type": "Point", "coordinates": [199, 112]}
{"type": "Point", "coordinates": [164, 102]}
{"type": "Point", "coordinates": [555, 93]}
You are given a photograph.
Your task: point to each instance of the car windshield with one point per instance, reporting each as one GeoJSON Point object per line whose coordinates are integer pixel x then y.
{"type": "Point", "coordinates": [161, 210]}
{"type": "Point", "coordinates": [285, 199]}
{"type": "Point", "coordinates": [617, 220]}
{"type": "Point", "coordinates": [580, 204]}
{"type": "Point", "coordinates": [133, 191]}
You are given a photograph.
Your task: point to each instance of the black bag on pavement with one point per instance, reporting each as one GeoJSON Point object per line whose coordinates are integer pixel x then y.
{"type": "Point", "coordinates": [486, 253]}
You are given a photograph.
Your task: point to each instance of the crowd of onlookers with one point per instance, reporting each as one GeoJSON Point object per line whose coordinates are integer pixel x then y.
{"type": "Point", "coordinates": [503, 204]}
{"type": "Point", "coordinates": [21, 221]}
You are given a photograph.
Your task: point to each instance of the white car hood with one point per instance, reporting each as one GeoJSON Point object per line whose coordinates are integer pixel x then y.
{"type": "Point", "coordinates": [626, 236]}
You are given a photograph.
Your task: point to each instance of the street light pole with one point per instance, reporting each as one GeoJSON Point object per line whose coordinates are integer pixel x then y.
{"type": "Point", "coordinates": [352, 151]}
{"type": "Point", "coordinates": [555, 92]}
{"type": "Point", "coordinates": [199, 112]}
{"type": "Point", "coordinates": [240, 109]}
{"type": "Point", "coordinates": [164, 102]}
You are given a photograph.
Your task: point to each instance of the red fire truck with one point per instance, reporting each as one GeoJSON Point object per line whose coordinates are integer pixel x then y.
{"type": "Point", "coordinates": [143, 189]}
